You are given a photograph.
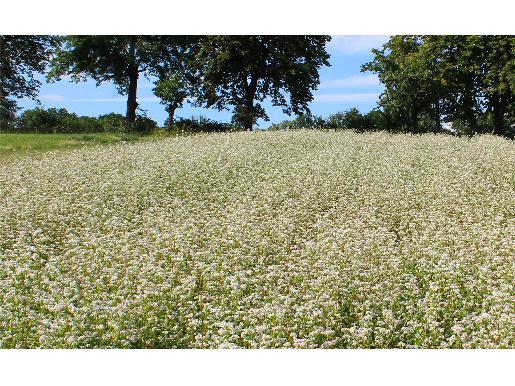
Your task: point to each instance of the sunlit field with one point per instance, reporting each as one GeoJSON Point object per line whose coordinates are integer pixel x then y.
{"type": "Point", "coordinates": [283, 239]}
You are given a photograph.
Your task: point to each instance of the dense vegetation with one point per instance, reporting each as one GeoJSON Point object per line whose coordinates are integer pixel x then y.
{"type": "Point", "coordinates": [352, 119]}
{"type": "Point", "coordinates": [20, 58]}
{"type": "Point", "coordinates": [431, 82]}
{"type": "Point", "coordinates": [466, 80]}
{"type": "Point", "coordinates": [268, 239]}
{"type": "Point", "coordinates": [61, 121]}
{"type": "Point", "coordinates": [307, 235]}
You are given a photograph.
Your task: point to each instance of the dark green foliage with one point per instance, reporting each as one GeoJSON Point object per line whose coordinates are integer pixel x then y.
{"type": "Point", "coordinates": [171, 64]}
{"type": "Point", "coordinates": [374, 120]}
{"type": "Point", "coordinates": [377, 120]}
{"type": "Point", "coordinates": [120, 59]}
{"type": "Point", "coordinates": [239, 71]}
{"type": "Point", "coordinates": [172, 91]}
{"type": "Point", "coordinates": [39, 120]}
{"type": "Point", "coordinates": [77, 124]}
{"type": "Point", "coordinates": [143, 125]}
{"type": "Point", "coordinates": [61, 121]}
{"type": "Point", "coordinates": [305, 121]}
{"type": "Point", "coordinates": [21, 57]}
{"type": "Point", "coordinates": [54, 120]}
{"type": "Point", "coordinates": [351, 119]}
{"type": "Point", "coordinates": [412, 87]}
{"type": "Point", "coordinates": [466, 80]}
{"type": "Point", "coordinates": [201, 125]}
{"type": "Point", "coordinates": [8, 117]}
{"type": "Point", "coordinates": [112, 122]}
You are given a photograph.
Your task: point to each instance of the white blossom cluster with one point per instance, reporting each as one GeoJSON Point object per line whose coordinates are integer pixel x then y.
{"type": "Point", "coordinates": [300, 239]}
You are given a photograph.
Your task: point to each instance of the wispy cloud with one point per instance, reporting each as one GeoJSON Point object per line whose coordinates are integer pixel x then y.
{"type": "Point", "coordinates": [52, 98]}
{"type": "Point", "coordinates": [98, 100]}
{"type": "Point", "coordinates": [347, 97]}
{"type": "Point", "coordinates": [354, 44]}
{"type": "Point", "coordinates": [63, 99]}
{"type": "Point", "coordinates": [352, 81]}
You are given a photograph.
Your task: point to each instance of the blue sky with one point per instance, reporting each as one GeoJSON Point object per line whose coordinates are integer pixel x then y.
{"type": "Point", "coordinates": [342, 86]}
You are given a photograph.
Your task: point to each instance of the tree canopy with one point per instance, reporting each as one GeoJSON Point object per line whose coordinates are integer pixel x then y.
{"type": "Point", "coordinates": [120, 59]}
{"type": "Point", "coordinates": [468, 80]}
{"type": "Point", "coordinates": [171, 64]}
{"type": "Point", "coordinates": [21, 57]}
{"type": "Point", "coordinates": [239, 71]}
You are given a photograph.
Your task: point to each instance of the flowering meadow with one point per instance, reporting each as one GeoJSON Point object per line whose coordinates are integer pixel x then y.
{"type": "Point", "coordinates": [301, 239]}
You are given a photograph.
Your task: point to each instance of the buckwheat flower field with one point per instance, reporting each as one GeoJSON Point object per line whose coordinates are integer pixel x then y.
{"type": "Point", "coordinates": [302, 239]}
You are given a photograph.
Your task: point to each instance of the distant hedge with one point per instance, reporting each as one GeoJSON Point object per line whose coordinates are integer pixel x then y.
{"type": "Point", "coordinates": [379, 120]}
{"type": "Point", "coordinates": [201, 124]}
{"type": "Point", "coordinates": [352, 119]}
{"type": "Point", "coordinates": [62, 121]}
{"type": "Point", "coordinates": [52, 120]}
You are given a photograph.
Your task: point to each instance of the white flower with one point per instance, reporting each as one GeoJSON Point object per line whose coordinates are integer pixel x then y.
{"type": "Point", "coordinates": [285, 239]}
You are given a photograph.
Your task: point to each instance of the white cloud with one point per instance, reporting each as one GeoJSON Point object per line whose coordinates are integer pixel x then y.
{"type": "Point", "coordinates": [98, 100]}
{"type": "Point", "coordinates": [347, 97]}
{"type": "Point", "coordinates": [52, 98]}
{"type": "Point", "coordinates": [355, 44]}
{"type": "Point", "coordinates": [352, 81]}
{"type": "Point", "coordinates": [61, 98]}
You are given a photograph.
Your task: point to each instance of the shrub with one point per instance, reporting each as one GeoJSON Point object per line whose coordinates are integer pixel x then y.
{"type": "Point", "coordinates": [350, 119]}
{"type": "Point", "coordinates": [113, 122]}
{"type": "Point", "coordinates": [305, 121]}
{"type": "Point", "coordinates": [202, 124]}
{"type": "Point", "coordinates": [39, 120]}
{"type": "Point", "coordinates": [143, 125]}
{"type": "Point", "coordinates": [8, 119]}
{"type": "Point", "coordinates": [54, 120]}
{"type": "Point", "coordinates": [75, 124]}
{"type": "Point", "coordinates": [376, 120]}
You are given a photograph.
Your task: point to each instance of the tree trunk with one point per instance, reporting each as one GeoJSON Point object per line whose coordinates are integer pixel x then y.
{"type": "Point", "coordinates": [498, 108]}
{"type": "Point", "coordinates": [248, 120]}
{"type": "Point", "coordinates": [132, 103]}
{"type": "Point", "coordinates": [469, 113]}
{"type": "Point", "coordinates": [171, 112]}
{"type": "Point", "coordinates": [438, 115]}
{"type": "Point", "coordinates": [133, 74]}
{"type": "Point", "coordinates": [249, 104]}
{"type": "Point", "coordinates": [414, 121]}
{"type": "Point", "coordinates": [471, 119]}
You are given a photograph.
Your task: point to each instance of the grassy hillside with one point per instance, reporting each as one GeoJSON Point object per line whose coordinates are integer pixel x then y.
{"type": "Point", "coordinates": [17, 144]}
{"type": "Point", "coordinates": [283, 239]}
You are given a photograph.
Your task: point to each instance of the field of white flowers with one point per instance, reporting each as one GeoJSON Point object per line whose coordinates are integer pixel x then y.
{"type": "Point", "coordinates": [286, 239]}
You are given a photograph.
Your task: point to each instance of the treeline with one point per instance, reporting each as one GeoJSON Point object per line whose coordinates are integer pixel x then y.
{"type": "Point", "coordinates": [465, 81]}
{"type": "Point", "coordinates": [224, 72]}
{"type": "Point", "coordinates": [432, 83]}
{"type": "Point", "coordinates": [351, 119]}
{"type": "Point", "coordinates": [53, 121]}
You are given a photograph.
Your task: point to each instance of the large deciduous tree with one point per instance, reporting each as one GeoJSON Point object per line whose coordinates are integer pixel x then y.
{"type": "Point", "coordinates": [461, 79]}
{"type": "Point", "coordinates": [459, 60]}
{"type": "Point", "coordinates": [20, 58]}
{"type": "Point", "coordinates": [120, 59]}
{"type": "Point", "coordinates": [498, 81]}
{"type": "Point", "coordinates": [171, 60]}
{"type": "Point", "coordinates": [412, 87]}
{"type": "Point", "coordinates": [239, 71]}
